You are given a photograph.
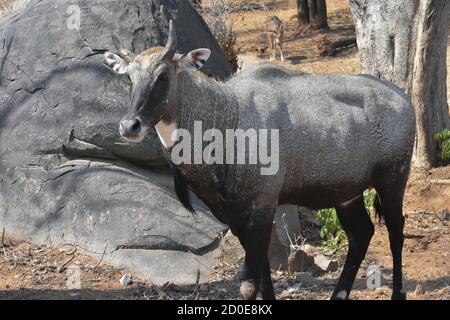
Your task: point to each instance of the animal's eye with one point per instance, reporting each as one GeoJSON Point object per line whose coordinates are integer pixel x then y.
{"type": "Point", "coordinates": [163, 77]}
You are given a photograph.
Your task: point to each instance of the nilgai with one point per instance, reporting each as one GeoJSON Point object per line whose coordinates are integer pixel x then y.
{"type": "Point", "coordinates": [338, 136]}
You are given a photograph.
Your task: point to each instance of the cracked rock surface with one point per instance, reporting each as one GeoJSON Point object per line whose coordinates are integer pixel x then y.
{"type": "Point", "coordinates": [65, 174]}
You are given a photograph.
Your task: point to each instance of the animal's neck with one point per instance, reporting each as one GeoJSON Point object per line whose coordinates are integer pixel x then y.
{"type": "Point", "coordinates": [205, 100]}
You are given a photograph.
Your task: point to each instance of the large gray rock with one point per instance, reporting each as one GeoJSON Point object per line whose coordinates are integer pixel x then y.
{"type": "Point", "coordinates": [287, 224]}
{"type": "Point", "coordinates": [65, 174]}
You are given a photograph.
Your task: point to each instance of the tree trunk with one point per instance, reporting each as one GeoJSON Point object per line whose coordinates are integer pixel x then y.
{"type": "Point", "coordinates": [302, 14]}
{"type": "Point", "coordinates": [405, 42]}
{"type": "Point", "coordinates": [318, 14]}
{"type": "Point", "coordinates": [321, 15]}
{"type": "Point", "coordinates": [312, 13]}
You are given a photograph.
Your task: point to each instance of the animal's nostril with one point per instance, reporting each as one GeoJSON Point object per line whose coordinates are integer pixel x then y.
{"type": "Point", "coordinates": [136, 126]}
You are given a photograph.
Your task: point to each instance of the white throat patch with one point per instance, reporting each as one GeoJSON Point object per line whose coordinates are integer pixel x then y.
{"type": "Point", "coordinates": [342, 295]}
{"type": "Point", "coordinates": [165, 132]}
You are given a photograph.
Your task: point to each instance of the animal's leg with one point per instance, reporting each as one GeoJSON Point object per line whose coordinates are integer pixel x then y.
{"type": "Point", "coordinates": [280, 46]}
{"type": "Point", "coordinates": [255, 238]}
{"type": "Point", "coordinates": [389, 205]}
{"type": "Point", "coordinates": [359, 228]}
{"type": "Point", "coordinates": [266, 286]}
{"type": "Point", "coordinates": [272, 47]}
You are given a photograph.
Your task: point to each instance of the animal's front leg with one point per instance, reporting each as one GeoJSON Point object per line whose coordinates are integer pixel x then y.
{"type": "Point", "coordinates": [272, 48]}
{"type": "Point", "coordinates": [280, 47]}
{"type": "Point", "coordinates": [255, 273]}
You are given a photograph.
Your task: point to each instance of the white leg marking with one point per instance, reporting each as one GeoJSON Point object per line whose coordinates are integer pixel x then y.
{"type": "Point", "coordinates": [165, 132]}
{"type": "Point", "coordinates": [342, 295]}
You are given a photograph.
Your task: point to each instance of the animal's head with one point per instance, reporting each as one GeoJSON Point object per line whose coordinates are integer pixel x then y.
{"type": "Point", "coordinates": [153, 74]}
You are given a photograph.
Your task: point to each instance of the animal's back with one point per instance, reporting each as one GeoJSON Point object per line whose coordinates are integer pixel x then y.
{"type": "Point", "coordinates": [334, 130]}
{"type": "Point", "coordinates": [273, 97]}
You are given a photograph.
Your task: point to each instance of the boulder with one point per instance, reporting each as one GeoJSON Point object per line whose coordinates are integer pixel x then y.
{"type": "Point", "coordinates": [325, 264]}
{"type": "Point", "coordinates": [286, 230]}
{"type": "Point", "coordinates": [287, 224]}
{"type": "Point", "coordinates": [278, 251]}
{"type": "Point", "coordinates": [310, 249]}
{"type": "Point", "coordinates": [299, 261]}
{"type": "Point", "coordinates": [65, 174]}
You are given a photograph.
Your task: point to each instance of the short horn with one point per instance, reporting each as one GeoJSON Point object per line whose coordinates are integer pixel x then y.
{"type": "Point", "coordinates": [171, 46]}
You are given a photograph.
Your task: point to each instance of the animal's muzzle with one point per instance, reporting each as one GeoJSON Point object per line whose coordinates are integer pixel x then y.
{"type": "Point", "coordinates": [130, 128]}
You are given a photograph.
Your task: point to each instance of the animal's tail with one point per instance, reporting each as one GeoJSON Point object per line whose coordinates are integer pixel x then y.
{"type": "Point", "coordinates": [379, 214]}
{"type": "Point", "coordinates": [182, 189]}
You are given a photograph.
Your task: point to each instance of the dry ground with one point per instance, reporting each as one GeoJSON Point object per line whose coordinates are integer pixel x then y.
{"type": "Point", "coordinates": [301, 51]}
{"type": "Point", "coordinates": [39, 272]}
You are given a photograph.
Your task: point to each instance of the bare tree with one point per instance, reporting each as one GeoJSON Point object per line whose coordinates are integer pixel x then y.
{"type": "Point", "coordinates": [217, 15]}
{"type": "Point", "coordinates": [312, 14]}
{"type": "Point", "coordinates": [406, 42]}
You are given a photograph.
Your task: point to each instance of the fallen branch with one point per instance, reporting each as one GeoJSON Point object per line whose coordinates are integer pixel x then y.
{"type": "Point", "coordinates": [64, 265]}
{"type": "Point", "coordinates": [328, 48]}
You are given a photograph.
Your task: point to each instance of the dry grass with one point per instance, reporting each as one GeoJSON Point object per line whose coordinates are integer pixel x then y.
{"type": "Point", "coordinates": [217, 15]}
{"type": "Point", "coordinates": [301, 51]}
{"type": "Point", "coordinates": [5, 7]}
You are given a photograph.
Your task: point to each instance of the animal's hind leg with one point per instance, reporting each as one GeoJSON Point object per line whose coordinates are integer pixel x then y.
{"type": "Point", "coordinates": [389, 204]}
{"type": "Point", "coordinates": [280, 47]}
{"type": "Point", "coordinates": [255, 273]}
{"type": "Point", "coordinates": [359, 228]}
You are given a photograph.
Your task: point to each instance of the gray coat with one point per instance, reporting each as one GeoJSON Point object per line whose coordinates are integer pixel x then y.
{"type": "Point", "coordinates": [334, 131]}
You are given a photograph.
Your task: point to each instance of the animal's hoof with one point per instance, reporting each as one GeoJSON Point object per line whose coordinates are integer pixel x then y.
{"type": "Point", "coordinates": [341, 295]}
{"type": "Point", "coordinates": [401, 295]}
{"type": "Point", "coordinates": [248, 290]}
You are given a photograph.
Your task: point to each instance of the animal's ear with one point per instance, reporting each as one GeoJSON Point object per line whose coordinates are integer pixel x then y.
{"type": "Point", "coordinates": [195, 59]}
{"type": "Point", "coordinates": [115, 62]}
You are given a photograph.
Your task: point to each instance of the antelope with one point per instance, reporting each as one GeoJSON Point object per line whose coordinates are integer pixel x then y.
{"type": "Point", "coordinates": [338, 136]}
{"type": "Point", "coordinates": [275, 31]}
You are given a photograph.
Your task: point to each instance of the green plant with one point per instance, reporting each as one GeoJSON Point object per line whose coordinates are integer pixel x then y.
{"type": "Point", "coordinates": [369, 200]}
{"type": "Point", "coordinates": [444, 138]}
{"type": "Point", "coordinates": [334, 238]}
